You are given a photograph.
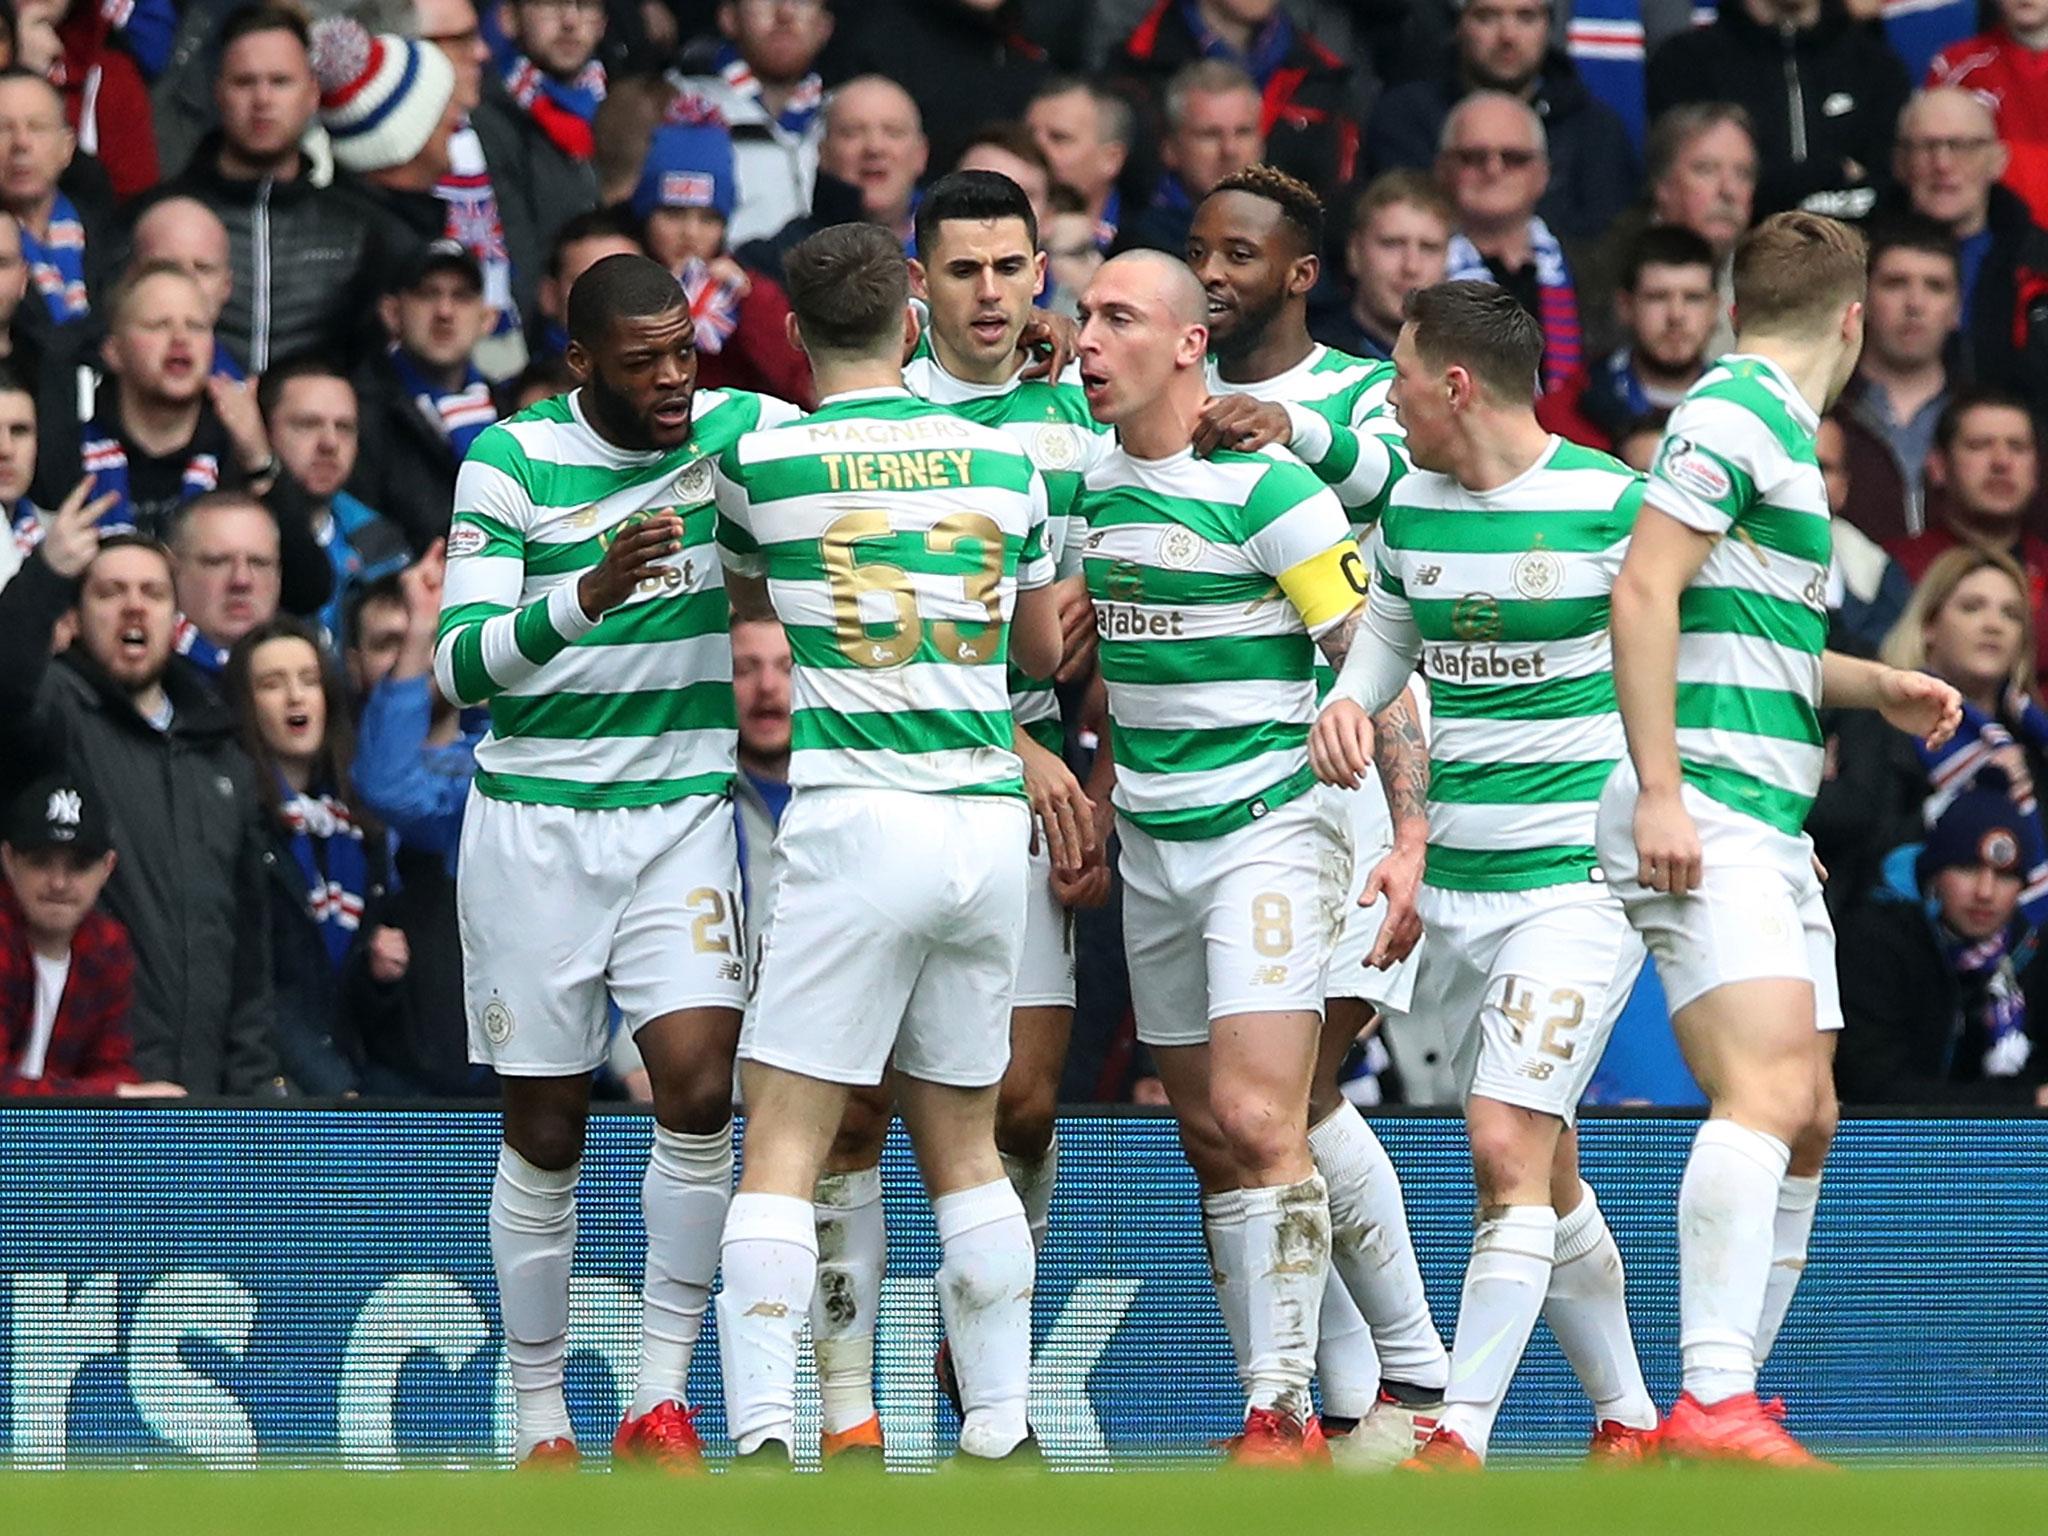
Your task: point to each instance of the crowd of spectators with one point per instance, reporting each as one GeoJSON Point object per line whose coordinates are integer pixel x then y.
{"type": "Point", "coordinates": [266, 273]}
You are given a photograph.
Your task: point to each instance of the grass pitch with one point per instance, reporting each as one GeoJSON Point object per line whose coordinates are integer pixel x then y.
{"type": "Point", "coordinates": [1999, 1500]}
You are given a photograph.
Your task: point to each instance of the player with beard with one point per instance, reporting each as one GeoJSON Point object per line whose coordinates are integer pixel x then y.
{"type": "Point", "coordinates": [1253, 245]}
{"type": "Point", "coordinates": [584, 604]}
{"type": "Point", "coordinates": [979, 267]}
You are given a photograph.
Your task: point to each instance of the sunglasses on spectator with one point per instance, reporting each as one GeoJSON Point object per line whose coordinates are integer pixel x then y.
{"type": "Point", "coordinates": [1479, 157]}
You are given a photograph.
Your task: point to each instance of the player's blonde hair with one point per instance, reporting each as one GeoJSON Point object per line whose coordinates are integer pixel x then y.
{"type": "Point", "coordinates": [1795, 271]}
{"type": "Point", "coordinates": [1906, 646]}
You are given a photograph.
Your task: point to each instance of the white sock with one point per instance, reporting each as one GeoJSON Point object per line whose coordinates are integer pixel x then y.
{"type": "Point", "coordinates": [770, 1258]}
{"type": "Point", "coordinates": [1512, 1255]}
{"type": "Point", "coordinates": [1370, 1247]}
{"type": "Point", "coordinates": [1347, 1369]}
{"type": "Point", "coordinates": [1287, 1264]}
{"type": "Point", "coordinates": [533, 1240]}
{"type": "Point", "coordinates": [1727, 1206]}
{"type": "Point", "coordinates": [1587, 1308]}
{"type": "Point", "coordinates": [853, 1249]}
{"type": "Point", "coordinates": [684, 1197]}
{"type": "Point", "coordinates": [1798, 1196]}
{"type": "Point", "coordinates": [985, 1279]}
{"type": "Point", "coordinates": [1223, 1230]}
{"type": "Point", "coordinates": [1033, 1178]}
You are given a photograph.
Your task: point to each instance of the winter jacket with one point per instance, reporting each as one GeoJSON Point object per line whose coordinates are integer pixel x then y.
{"type": "Point", "coordinates": [1912, 1035]}
{"type": "Point", "coordinates": [89, 1050]}
{"type": "Point", "coordinates": [1825, 102]}
{"type": "Point", "coordinates": [1313, 102]}
{"type": "Point", "coordinates": [963, 66]}
{"type": "Point", "coordinates": [543, 188]}
{"type": "Point", "coordinates": [189, 882]}
{"type": "Point", "coordinates": [405, 467]}
{"type": "Point", "coordinates": [775, 168]}
{"type": "Point", "coordinates": [302, 258]}
{"type": "Point", "coordinates": [361, 546]}
{"type": "Point", "coordinates": [2005, 335]}
{"type": "Point", "coordinates": [1594, 170]}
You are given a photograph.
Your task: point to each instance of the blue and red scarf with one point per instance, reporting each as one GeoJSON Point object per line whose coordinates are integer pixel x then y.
{"type": "Point", "coordinates": [1557, 305]}
{"type": "Point", "coordinates": [56, 261]}
{"type": "Point", "coordinates": [562, 109]}
{"type": "Point", "coordinates": [196, 648]}
{"type": "Point", "coordinates": [795, 118]}
{"type": "Point", "coordinates": [1991, 967]}
{"type": "Point", "coordinates": [107, 462]}
{"type": "Point", "coordinates": [459, 415]}
{"type": "Point", "coordinates": [327, 846]}
{"type": "Point", "coordinates": [475, 222]}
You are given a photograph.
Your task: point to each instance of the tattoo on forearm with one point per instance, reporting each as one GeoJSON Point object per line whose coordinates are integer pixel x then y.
{"type": "Point", "coordinates": [1401, 755]}
{"type": "Point", "coordinates": [1336, 640]}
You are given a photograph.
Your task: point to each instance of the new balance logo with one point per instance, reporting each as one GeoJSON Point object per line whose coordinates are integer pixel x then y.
{"type": "Point", "coordinates": [1538, 1071]}
{"type": "Point", "coordinates": [1428, 575]}
{"type": "Point", "coordinates": [1270, 976]}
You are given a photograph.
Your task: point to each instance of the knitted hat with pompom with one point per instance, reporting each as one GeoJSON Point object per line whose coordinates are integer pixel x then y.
{"type": "Point", "coordinates": [381, 97]}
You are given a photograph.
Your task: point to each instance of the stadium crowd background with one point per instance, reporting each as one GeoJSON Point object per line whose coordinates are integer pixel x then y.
{"type": "Point", "coordinates": [265, 274]}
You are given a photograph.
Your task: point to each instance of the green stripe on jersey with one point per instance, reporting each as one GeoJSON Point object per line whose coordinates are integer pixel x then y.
{"type": "Point", "coordinates": [1350, 395]}
{"type": "Point", "coordinates": [613, 794]}
{"type": "Point", "coordinates": [1509, 590]}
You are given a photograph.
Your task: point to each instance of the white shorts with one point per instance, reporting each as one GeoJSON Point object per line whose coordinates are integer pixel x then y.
{"type": "Point", "coordinates": [1242, 923]}
{"type": "Point", "coordinates": [1758, 914]}
{"type": "Point", "coordinates": [558, 906]}
{"type": "Point", "coordinates": [1045, 974]}
{"type": "Point", "coordinates": [1528, 984]}
{"type": "Point", "coordinates": [1371, 838]}
{"type": "Point", "coordinates": [897, 922]}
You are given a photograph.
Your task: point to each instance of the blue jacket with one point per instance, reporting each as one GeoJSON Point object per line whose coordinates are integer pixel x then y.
{"type": "Point", "coordinates": [364, 545]}
{"type": "Point", "coordinates": [418, 790]}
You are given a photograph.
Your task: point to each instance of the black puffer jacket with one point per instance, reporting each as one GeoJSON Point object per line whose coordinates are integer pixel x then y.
{"type": "Point", "coordinates": [1825, 102]}
{"type": "Point", "coordinates": [189, 883]}
{"type": "Point", "coordinates": [304, 263]}
{"type": "Point", "coordinates": [2006, 341]}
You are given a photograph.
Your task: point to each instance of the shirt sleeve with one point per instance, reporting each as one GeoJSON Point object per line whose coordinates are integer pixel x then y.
{"type": "Point", "coordinates": [1386, 645]}
{"type": "Point", "coordinates": [1297, 534]}
{"type": "Point", "coordinates": [488, 640]}
{"type": "Point", "coordinates": [736, 544]}
{"type": "Point", "coordinates": [1360, 457]}
{"type": "Point", "coordinates": [1036, 566]}
{"type": "Point", "coordinates": [1706, 489]}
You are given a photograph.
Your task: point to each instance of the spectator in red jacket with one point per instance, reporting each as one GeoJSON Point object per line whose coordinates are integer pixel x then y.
{"type": "Point", "coordinates": [106, 98]}
{"type": "Point", "coordinates": [2007, 69]}
{"type": "Point", "coordinates": [684, 201]}
{"type": "Point", "coordinates": [67, 974]}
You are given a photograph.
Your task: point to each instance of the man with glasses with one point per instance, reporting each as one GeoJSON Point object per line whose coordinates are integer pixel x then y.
{"type": "Point", "coordinates": [1504, 45]}
{"type": "Point", "coordinates": [1494, 164]}
{"type": "Point", "coordinates": [1949, 159]}
{"type": "Point", "coordinates": [2002, 67]}
{"type": "Point", "coordinates": [544, 92]}
{"type": "Point", "coordinates": [764, 86]}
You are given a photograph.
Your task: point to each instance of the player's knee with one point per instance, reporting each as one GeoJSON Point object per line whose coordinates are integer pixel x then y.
{"type": "Point", "coordinates": [697, 1107]}
{"type": "Point", "coordinates": [546, 1139]}
{"type": "Point", "coordinates": [1510, 1166]}
{"type": "Point", "coordinates": [1259, 1131]}
{"type": "Point", "coordinates": [1025, 1114]}
{"type": "Point", "coordinates": [1810, 1150]}
{"type": "Point", "coordinates": [1208, 1154]}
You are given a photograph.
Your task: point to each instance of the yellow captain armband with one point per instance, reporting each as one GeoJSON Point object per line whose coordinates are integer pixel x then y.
{"type": "Point", "coordinates": [1325, 587]}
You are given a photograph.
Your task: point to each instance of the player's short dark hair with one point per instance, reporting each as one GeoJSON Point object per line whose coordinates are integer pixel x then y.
{"type": "Point", "coordinates": [1909, 231]}
{"type": "Point", "coordinates": [1975, 397]}
{"type": "Point", "coordinates": [1483, 329]}
{"type": "Point", "coordinates": [361, 595]}
{"type": "Point", "coordinates": [848, 285]}
{"type": "Point", "coordinates": [620, 287]}
{"type": "Point", "coordinates": [1664, 245]}
{"type": "Point", "coordinates": [1297, 201]}
{"type": "Point", "coordinates": [974, 196]}
{"type": "Point", "coordinates": [591, 224]}
{"type": "Point", "coordinates": [248, 20]}
{"type": "Point", "coordinates": [301, 365]}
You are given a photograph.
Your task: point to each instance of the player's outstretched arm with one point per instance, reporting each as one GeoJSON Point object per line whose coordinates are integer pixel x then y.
{"type": "Point", "coordinates": [1663, 557]}
{"type": "Point", "coordinates": [1915, 702]}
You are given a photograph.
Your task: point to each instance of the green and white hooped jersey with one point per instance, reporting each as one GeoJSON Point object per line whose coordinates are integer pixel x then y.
{"type": "Point", "coordinates": [1211, 577]}
{"type": "Point", "coordinates": [1507, 592]}
{"type": "Point", "coordinates": [894, 537]}
{"type": "Point", "coordinates": [1341, 425]}
{"type": "Point", "coordinates": [1738, 461]}
{"type": "Point", "coordinates": [1052, 425]}
{"type": "Point", "coordinates": [632, 709]}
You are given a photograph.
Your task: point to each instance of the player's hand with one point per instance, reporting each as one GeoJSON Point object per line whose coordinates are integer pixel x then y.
{"type": "Point", "coordinates": [1086, 890]}
{"type": "Point", "coordinates": [1079, 640]}
{"type": "Point", "coordinates": [1340, 744]}
{"type": "Point", "coordinates": [629, 560]}
{"type": "Point", "coordinates": [1397, 877]}
{"type": "Point", "coordinates": [1242, 424]}
{"type": "Point", "coordinates": [72, 536]}
{"type": "Point", "coordinates": [1820, 870]}
{"type": "Point", "coordinates": [390, 955]}
{"type": "Point", "coordinates": [1048, 344]}
{"type": "Point", "coordinates": [1667, 843]}
{"type": "Point", "coordinates": [1920, 705]}
{"type": "Point", "coordinates": [1059, 807]}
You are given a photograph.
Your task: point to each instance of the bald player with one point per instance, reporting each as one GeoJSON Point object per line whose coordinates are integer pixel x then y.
{"type": "Point", "coordinates": [186, 233]}
{"type": "Point", "coordinates": [1234, 868]}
